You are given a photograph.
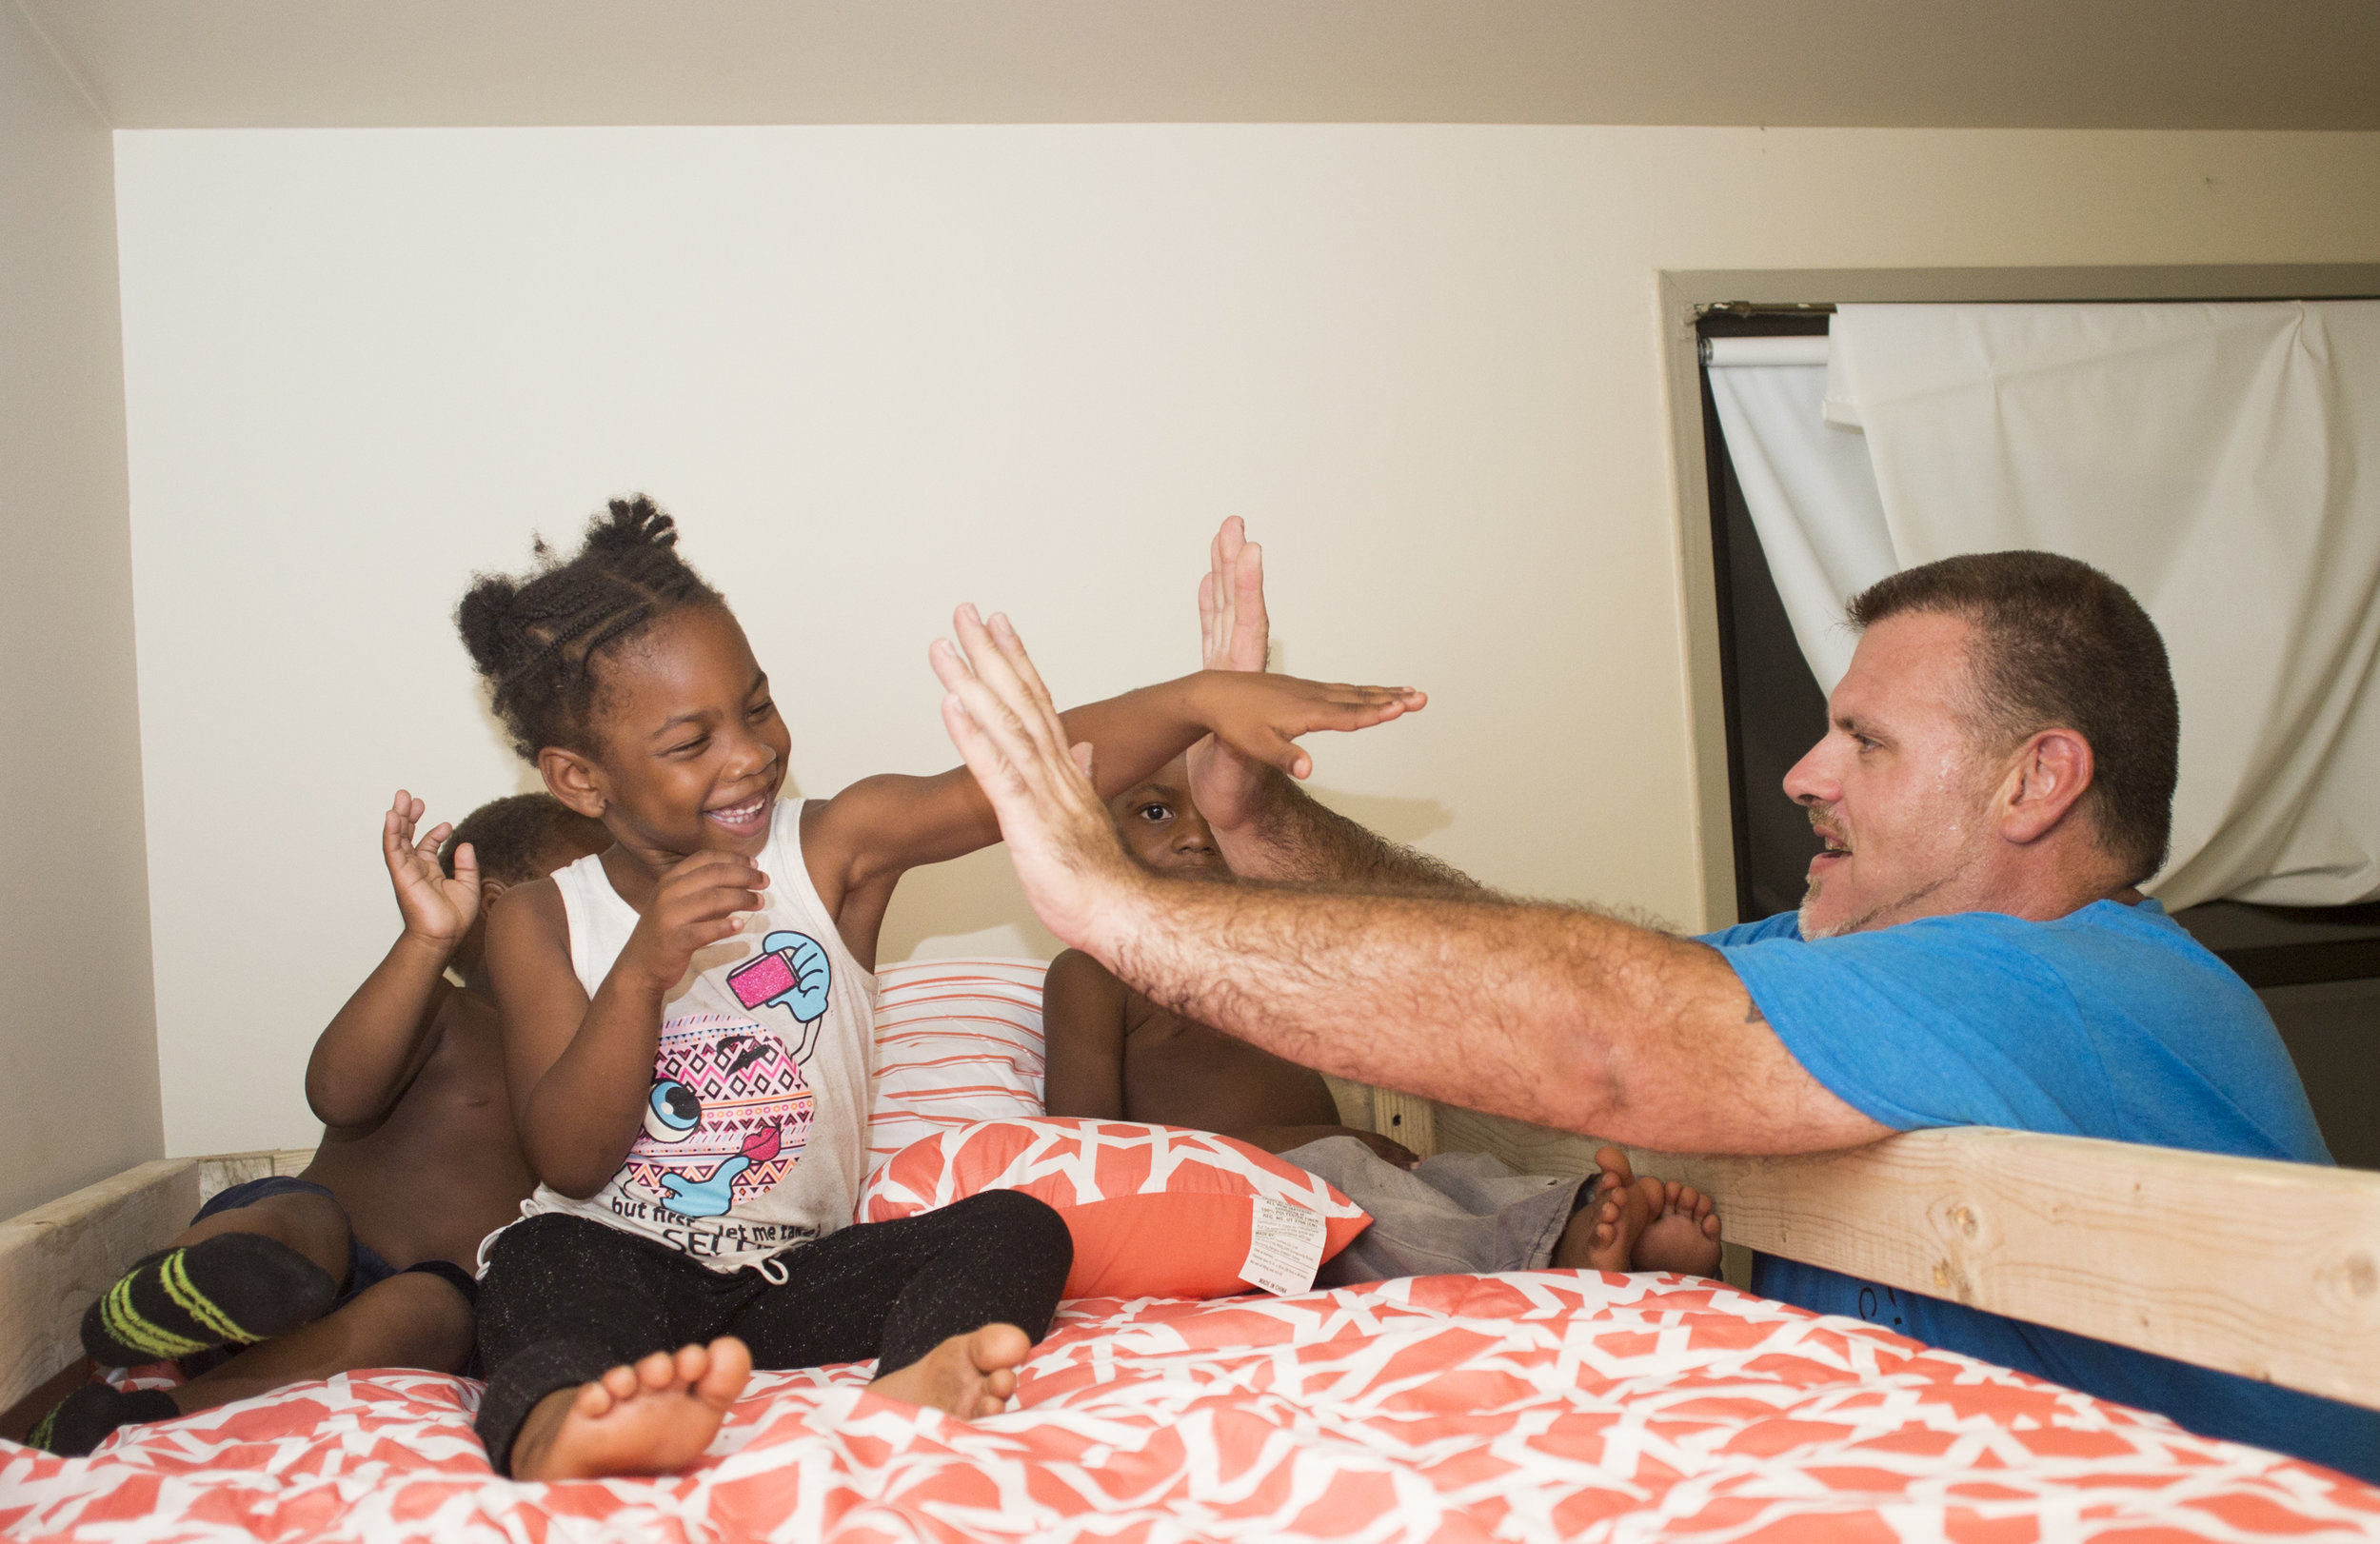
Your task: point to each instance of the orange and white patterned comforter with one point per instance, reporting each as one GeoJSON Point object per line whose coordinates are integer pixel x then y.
{"type": "Point", "coordinates": [1539, 1406]}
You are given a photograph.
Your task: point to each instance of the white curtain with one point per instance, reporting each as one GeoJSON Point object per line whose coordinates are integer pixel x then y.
{"type": "Point", "coordinates": [2222, 460]}
{"type": "Point", "coordinates": [1806, 485]}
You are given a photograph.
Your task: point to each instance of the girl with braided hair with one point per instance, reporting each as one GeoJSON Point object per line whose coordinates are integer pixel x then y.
{"type": "Point", "coordinates": [688, 1024]}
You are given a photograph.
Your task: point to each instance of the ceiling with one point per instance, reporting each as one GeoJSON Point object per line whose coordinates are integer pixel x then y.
{"type": "Point", "coordinates": [2098, 64]}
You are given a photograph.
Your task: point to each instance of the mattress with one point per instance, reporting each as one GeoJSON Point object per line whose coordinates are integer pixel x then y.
{"type": "Point", "coordinates": [1547, 1405]}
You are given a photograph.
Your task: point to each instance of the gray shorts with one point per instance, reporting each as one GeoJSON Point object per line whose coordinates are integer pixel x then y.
{"type": "Point", "coordinates": [1458, 1211]}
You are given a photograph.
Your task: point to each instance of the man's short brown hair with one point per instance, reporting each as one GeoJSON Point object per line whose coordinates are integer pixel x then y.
{"type": "Point", "coordinates": [2059, 644]}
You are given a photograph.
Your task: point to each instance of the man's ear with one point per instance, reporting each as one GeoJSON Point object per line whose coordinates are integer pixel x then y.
{"type": "Point", "coordinates": [2047, 775]}
{"type": "Point", "coordinates": [572, 779]}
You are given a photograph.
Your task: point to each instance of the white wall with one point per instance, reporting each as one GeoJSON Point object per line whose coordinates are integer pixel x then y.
{"type": "Point", "coordinates": [879, 370]}
{"type": "Point", "coordinates": [78, 1035]}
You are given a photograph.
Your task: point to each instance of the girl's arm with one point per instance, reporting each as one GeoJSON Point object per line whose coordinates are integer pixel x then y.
{"type": "Point", "coordinates": [859, 843]}
{"type": "Point", "coordinates": [580, 1071]}
{"type": "Point", "coordinates": [371, 1051]}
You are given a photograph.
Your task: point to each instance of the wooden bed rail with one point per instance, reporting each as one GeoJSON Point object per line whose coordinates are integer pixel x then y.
{"type": "Point", "coordinates": [55, 1259]}
{"type": "Point", "coordinates": [2270, 1269]}
{"type": "Point", "coordinates": [2267, 1270]}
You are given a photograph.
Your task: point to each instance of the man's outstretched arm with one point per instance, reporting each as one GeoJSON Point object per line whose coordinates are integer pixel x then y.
{"type": "Point", "coordinates": [1287, 835]}
{"type": "Point", "coordinates": [1544, 1013]}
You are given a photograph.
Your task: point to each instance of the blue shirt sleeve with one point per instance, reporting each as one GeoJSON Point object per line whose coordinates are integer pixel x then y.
{"type": "Point", "coordinates": [1946, 1021]}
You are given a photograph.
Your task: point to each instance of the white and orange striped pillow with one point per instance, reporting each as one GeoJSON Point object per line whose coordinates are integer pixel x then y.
{"type": "Point", "coordinates": [957, 1041]}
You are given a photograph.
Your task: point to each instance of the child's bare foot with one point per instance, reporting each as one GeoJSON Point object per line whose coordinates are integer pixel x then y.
{"type": "Point", "coordinates": [968, 1375]}
{"type": "Point", "coordinates": [1602, 1233]}
{"type": "Point", "coordinates": [1684, 1236]}
{"type": "Point", "coordinates": [1635, 1224]}
{"type": "Point", "coordinates": [655, 1418]}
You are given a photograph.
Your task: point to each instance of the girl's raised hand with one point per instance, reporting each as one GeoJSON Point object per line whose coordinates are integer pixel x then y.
{"type": "Point", "coordinates": [436, 909]}
{"type": "Point", "coordinates": [1262, 716]}
{"type": "Point", "coordinates": [700, 901]}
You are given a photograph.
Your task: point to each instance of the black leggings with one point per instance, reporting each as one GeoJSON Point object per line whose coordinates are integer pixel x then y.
{"type": "Point", "coordinates": [566, 1298]}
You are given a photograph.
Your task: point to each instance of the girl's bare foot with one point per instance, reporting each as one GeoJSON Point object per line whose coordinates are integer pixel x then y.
{"type": "Point", "coordinates": [968, 1375]}
{"type": "Point", "coordinates": [655, 1418]}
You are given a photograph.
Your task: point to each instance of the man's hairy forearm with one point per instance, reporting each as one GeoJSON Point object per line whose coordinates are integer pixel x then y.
{"type": "Point", "coordinates": [1525, 1010]}
{"type": "Point", "coordinates": [1296, 841]}
{"type": "Point", "coordinates": [1556, 1015]}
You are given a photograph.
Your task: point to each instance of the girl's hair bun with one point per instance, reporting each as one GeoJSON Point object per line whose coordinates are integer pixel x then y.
{"type": "Point", "coordinates": [635, 523]}
{"type": "Point", "coordinates": [535, 639]}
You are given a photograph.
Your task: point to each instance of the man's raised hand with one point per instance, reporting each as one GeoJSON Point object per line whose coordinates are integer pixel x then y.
{"type": "Point", "coordinates": [436, 909]}
{"type": "Point", "coordinates": [1058, 833]}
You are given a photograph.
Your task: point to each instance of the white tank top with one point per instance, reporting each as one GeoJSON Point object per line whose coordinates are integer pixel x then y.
{"type": "Point", "coordinates": [756, 1124]}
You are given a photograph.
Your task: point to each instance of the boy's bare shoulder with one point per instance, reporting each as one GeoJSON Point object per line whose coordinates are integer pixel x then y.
{"type": "Point", "coordinates": [1079, 993]}
{"type": "Point", "coordinates": [1075, 976]}
{"type": "Point", "coordinates": [1076, 968]}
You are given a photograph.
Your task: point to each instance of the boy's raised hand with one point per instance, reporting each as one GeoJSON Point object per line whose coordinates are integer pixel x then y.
{"type": "Point", "coordinates": [1234, 628]}
{"type": "Point", "coordinates": [1234, 634]}
{"type": "Point", "coordinates": [436, 909]}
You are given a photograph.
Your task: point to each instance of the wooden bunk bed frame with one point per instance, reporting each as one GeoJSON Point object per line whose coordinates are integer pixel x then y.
{"type": "Point", "coordinates": [2269, 1270]}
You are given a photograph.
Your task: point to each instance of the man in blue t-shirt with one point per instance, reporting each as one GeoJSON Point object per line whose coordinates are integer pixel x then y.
{"type": "Point", "coordinates": [1996, 777]}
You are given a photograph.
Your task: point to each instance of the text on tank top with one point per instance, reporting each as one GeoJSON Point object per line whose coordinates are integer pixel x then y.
{"type": "Point", "coordinates": [756, 1122]}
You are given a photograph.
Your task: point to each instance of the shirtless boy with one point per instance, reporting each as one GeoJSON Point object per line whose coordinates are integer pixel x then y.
{"type": "Point", "coordinates": [1113, 1053]}
{"type": "Point", "coordinates": [367, 1258]}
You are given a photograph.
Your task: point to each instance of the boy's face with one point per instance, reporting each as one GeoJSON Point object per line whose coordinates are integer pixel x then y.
{"type": "Point", "coordinates": [1163, 828]}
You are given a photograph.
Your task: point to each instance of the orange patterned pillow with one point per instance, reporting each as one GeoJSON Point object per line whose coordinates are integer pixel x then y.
{"type": "Point", "coordinates": [1155, 1211]}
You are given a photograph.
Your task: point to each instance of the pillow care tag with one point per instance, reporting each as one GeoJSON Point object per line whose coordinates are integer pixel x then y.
{"type": "Point", "coordinates": [1284, 1247]}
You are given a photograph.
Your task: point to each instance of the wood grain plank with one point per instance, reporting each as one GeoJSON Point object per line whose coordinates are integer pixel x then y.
{"type": "Point", "coordinates": [1407, 1119]}
{"type": "Point", "coordinates": [1529, 1149]}
{"type": "Point", "coordinates": [1354, 1100]}
{"type": "Point", "coordinates": [55, 1259]}
{"type": "Point", "coordinates": [2267, 1270]}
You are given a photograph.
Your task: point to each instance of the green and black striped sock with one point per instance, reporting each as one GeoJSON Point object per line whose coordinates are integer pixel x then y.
{"type": "Point", "coordinates": [92, 1413]}
{"type": "Point", "coordinates": [233, 1288]}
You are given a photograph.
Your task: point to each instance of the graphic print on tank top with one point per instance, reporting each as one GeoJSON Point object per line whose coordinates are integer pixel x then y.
{"type": "Point", "coordinates": [729, 1111]}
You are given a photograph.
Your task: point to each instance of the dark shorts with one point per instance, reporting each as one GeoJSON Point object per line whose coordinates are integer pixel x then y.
{"type": "Point", "coordinates": [365, 1266]}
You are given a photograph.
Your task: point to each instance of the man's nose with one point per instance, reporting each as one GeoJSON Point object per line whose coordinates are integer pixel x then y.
{"type": "Point", "coordinates": [1808, 781]}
